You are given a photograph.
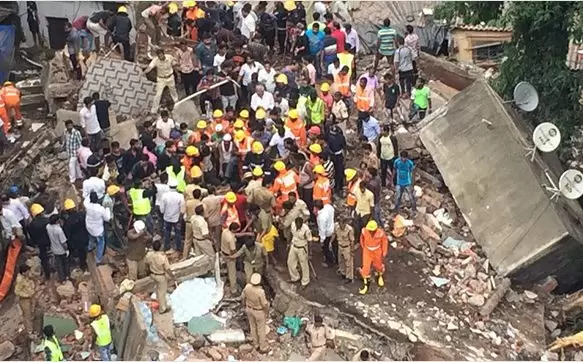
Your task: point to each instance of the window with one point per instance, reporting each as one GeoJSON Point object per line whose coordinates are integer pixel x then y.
{"type": "Point", "coordinates": [488, 52]}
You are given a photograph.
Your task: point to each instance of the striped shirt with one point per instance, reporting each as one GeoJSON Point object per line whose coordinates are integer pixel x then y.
{"type": "Point", "coordinates": [330, 172]}
{"type": "Point", "coordinates": [386, 39]}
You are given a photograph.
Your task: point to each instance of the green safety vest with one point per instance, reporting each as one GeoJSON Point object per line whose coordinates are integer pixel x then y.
{"type": "Point", "coordinates": [178, 177]}
{"type": "Point", "coordinates": [346, 60]}
{"type": "Point", "coordinates": [316, 111]}
{"type": "Point", "coordinates": [102, 330]}
{"type": "Point", "coordinates": [141, 206]}
{"type": "Point", "coordinates": [55, 348]}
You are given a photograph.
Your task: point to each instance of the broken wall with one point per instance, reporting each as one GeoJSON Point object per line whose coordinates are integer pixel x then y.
{"type": "Point", "coordinates": [132, 337]}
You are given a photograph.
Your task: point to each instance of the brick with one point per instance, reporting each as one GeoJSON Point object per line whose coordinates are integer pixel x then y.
{"type": "Point", "coordinates": [427, 233]}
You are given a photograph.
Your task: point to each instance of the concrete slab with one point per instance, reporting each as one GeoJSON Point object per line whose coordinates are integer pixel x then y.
{"type": "Point", "coordinates": [124, 132]}
{"type": "Point", "coordinates": [187, 112]}
{"type": "Point", "coordinates": [294, 356]}
{"type": "Point", "coordinates": [63, 325]}
{"type": "Point", "coordinates": [204, 325]}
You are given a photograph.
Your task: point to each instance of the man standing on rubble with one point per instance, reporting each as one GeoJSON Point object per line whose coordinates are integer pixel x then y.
{"type": "Point", "coordinates": [405, 177]}
{"type": "Point", "coordinates": [321, 336]}
{"type": "Point", "coordinates": [228, 248]}
{"type": "Point", "coordinates": [159, 267]}
{"type": "Point", "coordinates": [101, 331]}
{"type": "Point", "coordinates": [164, 65]}
{"type": "Point", "coordinates": [255, 257]}
{"type": "Point", "coordinates": [138, 238]}
{"type": "Point", "coordinates": [375, 246]}
{"type": "Point", "coordinates": [37, 230]}
{"type": "Point", "coordinates": [344, 237]}
{"type": "Point", "coordinates": [71, 143]}
{"type": "Point", "coordinates": [201, 234]}
{"type": "Point", "coordinates": [24, 289]}
{"type": "Point", "coordinates": [257, 310]}
{"type": "Point", "coordinates": [120, 27]}
{"type": "Point", "coordinates": [298, 251]}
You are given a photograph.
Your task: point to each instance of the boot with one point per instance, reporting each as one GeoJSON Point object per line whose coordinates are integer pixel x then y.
{"type": "Point", "coordinates": [380, 280]}
{"type": "Point", "coordinates": [364, 288]}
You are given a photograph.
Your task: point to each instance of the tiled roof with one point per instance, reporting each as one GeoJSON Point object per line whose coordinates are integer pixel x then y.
{"type": "Point", "coordinates": [481, 28]}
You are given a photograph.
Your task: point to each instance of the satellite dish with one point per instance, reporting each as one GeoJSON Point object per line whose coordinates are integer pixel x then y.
{"type": "Point", "coordinates": [546, 137]}
{"type": "Point", "coordinates": [571, 184]}
{"type": "Point", "coordinates": [525, 97]}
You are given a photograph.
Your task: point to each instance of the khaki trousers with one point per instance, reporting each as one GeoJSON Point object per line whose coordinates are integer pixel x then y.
{"type": "Point", "coordinates": [346, 262]}
{"type": "Point", "coordinates": [161, 290]}
{"type": "Point", "coordinates": [205, 247]}
{"type": "Point", "coordinates": [136, 268]}
{"type": "Point", "coordinates": [318, 354]}
{"type": "Point", "coordinates": [298, 256]}
{"type": "Point", "coordinates": [232, 274]}
{"type": "Point", "coordinates": [27, 307]}
{"type": "Point", "coordinates": [161, 84]}
{"type": "Point", "coordinates": [188, 240]}
{"type": "Point", "coordinates": [257, 327]}
{"type": "Point", "coordinates": [250, 269]}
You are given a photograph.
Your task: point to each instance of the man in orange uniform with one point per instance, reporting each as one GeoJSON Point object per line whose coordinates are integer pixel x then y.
{"type": "Point", "coordinates": [284, 184]}
{"type": "Point", "coordinates": [352, 181]}
{"type": "Point", "coordinates": [322, 190]}
{"type": "Point", "coordinates": [315, 152]}
{"type": "Point", "coordinates": [191, 157]}
{"type": "Point", "coordinates": [364, 100]}
{"type": "Point", "coordinates": [296, 127]}
{"type": "Point", "coordinates": [244, 116]}
{"type": "Point", "coordinates": [5, 123]}
{"type": "Point", "coordinates": [229, 213]}
{"type": "Point", "coordinates": [375, 246]}
{"type": "Point", "coordinates": [201, 128]}
{"type": "Point", "coordinates": [219, 119]}
{"type": "Point", "coordinates": [342, 83]}
{"type": "Point", "coordinates": [239, 125]}
{"type": "Point", "coordinates": [11, 96]}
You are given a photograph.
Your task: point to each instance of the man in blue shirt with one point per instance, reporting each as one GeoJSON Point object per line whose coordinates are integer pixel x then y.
{"type": "Point", "coordinates": [404, 167]}
{"type": "Point", "coordinates": [370, 127]}
{"type": "Point", "coordinates": [316, 44]}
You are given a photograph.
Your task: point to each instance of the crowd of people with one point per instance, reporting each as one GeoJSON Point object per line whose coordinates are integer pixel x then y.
{"type": "Point", "coordinates": [262, 173]}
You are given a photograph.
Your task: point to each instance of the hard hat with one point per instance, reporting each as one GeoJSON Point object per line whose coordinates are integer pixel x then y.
{"type": "Point", "coordinates": [173, 182]}
{"type": "Point", "coordinates": [13, 189]}
{"type": "Point", "coordinates": [315, 130]}
{"type": "Point", "coordinates": [372, 225]}
{"type": "Point", "coordinates": [139, 226]}
{"type": "Point", "coordinates": [191, 151]}
{"type": "Point", "coordinates": [172, 8]}
{"type": "Point", "coordinates": [239, 135]}
{"type": "Point", "coordinates": [227, 137]}
{"type": "Point", "coordinates": [282, 78]}
{"type": "Point", "coordinates": [244, 113]}
{"type": "Point", "coordinates": [230, 197]}
{"type": "Point", "coordinates": [112, 190]}
{"type": "Point", "coordinates": [122, 9]}
{"type": "Point", "coordinates": [230, 4]}
{"type": "Point", "coordinates": [289, 5]}
{"type": "Point", "coordinates": [94, 310]}
{"type": "Point", "coordinates": [200, 13]}
{"type": "Point", "coordinates": [279, 166]}
{"type": "Point", "coordinates": [7, 83]}
{"type": "Point", "coordinates": [325, 87]}
{"type": "Point", "coordinates": [239, 124]}
{"type": "Point", "coordinates": [217, 113]}
{"type": "Point", "coordinates": [219, 128]}
{"type": "Point", "coordinates": [319, 169]}
{"type": "Point", "coordinates": [315, 148]}
{"type": "Point", "coordinates": [201, 124]}
{"type": "Point", "coordinates": [257, 147]}
{"type": "Point", "coordinates": [257, 171]}
{"type": "Point", "coordinates": [260, 114]}
{"type": "Point", "coordinates": [69, 204]}
{"type": "Point", "coordinates": [255, 279]}
{"type": "Point", "coordinates": [293, 113]}
{"type": "Point", "coordinates": [188, 4]}
{"type": "Point", "coordinates": [195, 172]}
{"type": "Point", "coordinates": [350, 173]}
{"type": "Point", "coordinates": [36, 209]}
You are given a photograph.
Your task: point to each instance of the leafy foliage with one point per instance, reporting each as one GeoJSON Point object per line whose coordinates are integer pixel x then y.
{"type": "Point", "coordinates": [473, 12]}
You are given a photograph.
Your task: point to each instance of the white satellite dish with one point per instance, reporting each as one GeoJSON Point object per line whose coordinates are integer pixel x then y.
{"type": "Point", "coordinates": [571, 184]}
{"type": "Point", "coordinates": [525, 97]}
{"type": "Point", "coordinates": [546, 138]}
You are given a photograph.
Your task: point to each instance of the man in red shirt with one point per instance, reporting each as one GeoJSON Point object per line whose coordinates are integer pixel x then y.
{"type": "Point", "coordinates": [340, 37]}
{"type": "Point", "coordinates": [240, 205]}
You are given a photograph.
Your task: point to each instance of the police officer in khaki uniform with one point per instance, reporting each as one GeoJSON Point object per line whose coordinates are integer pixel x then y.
{"type": "Point", "coordinates": [344, 235]}
{"type": "Point", "coordinates": [257, 310]}
{"type": "Point", "coordinates": [24, 289]}
{"type": "Point", "coordinates": [293, 208]}
{"type": "Point", "coordinates": [298, 252]}
{"type": "Point", "coordinates": [254, 257]}
{"type": "Point", "coordinates": [159, 267]}
{"type": "Point", "coordinates": [228, 248]}
{"type": "Point", "coordinates": [320, 336]}
{"type": "Point", "coordinates": [201, 234]}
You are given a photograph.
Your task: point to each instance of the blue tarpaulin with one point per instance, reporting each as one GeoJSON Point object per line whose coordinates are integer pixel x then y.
{"type": "Point", "coordinates": [7, 33]}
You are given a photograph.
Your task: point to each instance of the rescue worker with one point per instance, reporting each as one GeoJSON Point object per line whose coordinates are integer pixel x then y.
{"type": "Point", "coordinates": [219, 119]}
{"type": "Point", "coordinates": [138, 239]}
{"type": "Point", "coordinates": [141, 204]}
{"type": "Point", "coordinates": [316, 109]}
{"type": "Point", "coordinates": [364, 100]}
{"type": "Point", "coordinates": [364, 206]}
{"type": "Point", "coordinates": [254, 257]}
{"type": "Point", "coordinates": [228, 248]}
{"type": "Point", "coordinates": [322, 190]}
{"type": "Point", "coordinates": [257, 310]}
{"type": "Point", "coordinates": [255, 158]}
{"type": "Point", "coordinates": [256, 181]}
{"type": "Point", "coordinates": [201, 129]}
{"type": "Point", "coordinates": [4, 141]}
{"type": "Point", "coordinates": [11, 96]}
{"type": "Point", "coordinates": [37, 229]}
{"type": "Point", "coordinates": [76, 232]}
{"type": "Point", "coordinates": [298, 252]}
{"type": "Point", "coordinates": [321, 336]}
{"type": "Point", "coordinates": [101, 328]}
{"type": "Point", "coordinates": [315, 152]}
{"type": "Point", "coordinates": [191, 158]}
{"type": "Point", "coordinates": [292, 209]}
{"type": "Point", "coordinates": [262, 196]}
{"type": "Point", "coordinates": [24, 289]}
{"type": "Point", "coordinates": [53, 350]}
{"type": "Point", "coordinates": [352, 180]}
{"type": "Point", "coordinates": [284, 184]}
{"type": "Point", "coordinates": [212, 214]}
{"type": "Point", "coordinates": [244, 117]}
{"type": "Point", "coordinates": [266, 231]}
{"type": "Point", "coordinates": [159, 267]}
{"type": "Point", "coordinates": [342, 84]}
{"type": "Point", "coordinates": [229, 213]}
{"type": "Point", "coordinates": [203, 243]}
{"type": "Point", "coordinates": [176, 174]}
{"type": "Point", "coordinates": [297, 127]}
{"type": "Point", "coordinates": [344, 237]}
{"type": "Point", "coordinates": [375, 246]}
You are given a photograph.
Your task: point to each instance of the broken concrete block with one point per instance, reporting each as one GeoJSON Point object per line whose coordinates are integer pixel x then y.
{"type": "Point", "coordinates": [214, 353]}
{"type": "Point", "coordinates": [427, 233]}
{"type": "Point", "coordinates": [431, 201]}
{"type": "Point", "coordinates": [551, 325]}
{"type": "Point", "coordinates": [476, 300]}
{"type": "Point", "coordinates": [406, 140]}
{"type": "Point", "coordinates": [470, 271]}
{"type": "Point", "coordinates": [548, 284]}
{"type": "Point", "coordinates": [66, 291]}
{"type": "Point", "coordinates": [415, 241]}
{"type": "Point", "coordinates": [245, 349]}
{"type": "Point", "coordinates": [7, 349]}
{"type": "Point", "coordinates": [227, 336]}
{"type": "Point", "coordinates": [347, 335]}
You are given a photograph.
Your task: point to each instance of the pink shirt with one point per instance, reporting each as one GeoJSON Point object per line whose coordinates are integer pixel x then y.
{"type": "Point", "coordinates": [151, 157]}
{"type": "Point", "coordinates": [328, 100]}
{"type": "Point", "coordinates": [311, 73]}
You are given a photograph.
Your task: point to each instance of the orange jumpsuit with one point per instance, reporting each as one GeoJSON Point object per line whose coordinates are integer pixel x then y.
{"type": "Point", "coordinates": [298, 129]}
{"type": "Point", "coordinates": [11, 96]}
{"type": "Point", "coordinates": [229, 215]}
{"type": "Point", "coordinates": [322, 190]}
{"type": "Point", "coordinates": [375, 246]}
{"type": "Point", "coordinates": [350, 198]}
{"type": "Point", "coordinates": [283, 185]}
{"type": "Point", "coordinates": [196, 137]}
{"type": "Point", "coordinates": [4, 116]}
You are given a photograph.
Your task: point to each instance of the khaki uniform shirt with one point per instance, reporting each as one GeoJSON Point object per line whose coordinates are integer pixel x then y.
{"type": "Point", "coordinates": [200, 228]}
{"type": "Point", "coordinates": [264, 222]}
{"type": "Point", "coordinates": [253, 184]}
{"type": "Point", "coordinates": [261, 197]}
{"type": "Point", "coordinates": [254, 257]}
{"type": "Point", "coordinates": [157, 262]}
{"type": "Point", "coordinates": [301, 237]}
{"type": "Point", "coordinates": [164, 68]}
{"type": "Point", "coordinates": [300, 209]}
{"type": "Point", "coordinates": [319, 335]}
{"type": "Point", "coordinates": [253, 297]}
{"type": "Point", "coordinates": [190, 205]}
{"type": "Point", "coordinates": [344, 235]}
{"type": "Point", "coordinates": [228, 242]}
{"type": "Point", "coordinates": [364, 202]}
{"type": "Point", "coordinates": [212, 210]}
{"type": "Point", "coordinates": [24, 287]}
{"type": "Point", "coordinates": [340, 111]}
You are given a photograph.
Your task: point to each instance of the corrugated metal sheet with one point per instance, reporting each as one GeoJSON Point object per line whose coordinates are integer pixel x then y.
{"type": "Point", "coordinates": [481, 28]}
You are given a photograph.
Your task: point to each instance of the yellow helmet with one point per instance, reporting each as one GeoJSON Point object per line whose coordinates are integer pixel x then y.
{"type": "Point", "coordinates": [188, 4]}
{"type": "Point", "coordinates": [230, 197]}
{"type": "Point", "coordinates": [244, 113]}
{"type": "Point", "coordinates": [282, 78]}
{"type": "Point", "coordinates": [293, 113]}
{"type": "Point", "coordinates": [217, 113]}
{"type": "Point", "coordinates": [279, 166]}
{"type": "Point", "coordinates": [319, 169]}
{"type": "Point", "coordinates": [239, 124]}
{"type": "Point", "coordinates": [36, 209]}
{"type": "Point", "coordinates": [172, 8]}
{"type": "Point", "coordinates": [372, 226]}
{"type": "Point", "coordinates": [239, 135]}
{"type": "Point", "coordinates": [257, 171]}
{"type": "Point", "coordinates": [8, 83]}
{"type": "Point", "coordinates": [94, 310]}
{"type": "Point", "coordinates": [195, 172]}
{"type": "Point", "coordinates": [122, 9]}
{"type": "Point", "coordinates": [257, 147]}
{"type": "Point", "coordinates": [315, 148]}
{"type": "Point", "coordinates": [201, 124]}
{"type": "Point", "coordinates": [325, 87]}
{"type": "Point", "coordinates": [200, 13]}
{"type": "Point", "coordinates": [350, 173]}
{"type": "Point", "coordinates": [260, 114]}
{"type": "Point", "coordinates": [191, 151]}
{"type": "Point", "coordinates": [289, 5]}
{"type": "Point", "coordinates": [112, 190]}
{"type": "Point", "coordinates": [69, 204]}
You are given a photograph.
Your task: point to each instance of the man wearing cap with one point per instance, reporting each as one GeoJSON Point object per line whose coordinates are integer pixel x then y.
{"type": "Point", "coordinates": [322, 190]}
{"type": "Point", "coordinates": [321, 336]}
{"type": "Point", "coordinates": [101, 331]}
{"type": "Point", "coordinates": [228, 248]}
{"type": "Point", "coordinates": [257, 310]}
{"type": "Point", "coordinates": [344, 237]}
{"type": "Point", "coordinates": [375, 246]}
{"type": "Point", "coordinates": [120, 28]}
{"type": "Point", "coordinates": [364, 206]}
{"type": "Point", "coordinates": [297, 127]}
{"type": "Point", "coordinates": [11, 96]}
{"type": "Point", "coordinates": [229, 213]}
{"type": "Point", "coordinates": [24, 289]}
{"type": "Point", "coordinates": [256, 181]}
{"type": "Point", "coordinates": [157, 263]}
{"type": "Point", "coordinates": [292, 209]}
{"type": "Point", "coordinates": [285, 183]}
{"type": "Point", "coordinates": [172, 207]}
{"type": "Point", "coordinates": [164, 65]}
{"type": "Point", "coordinates": [76, 232]}
{"type": "Point", "coordinates": [255, 158]}
{"type": "Point", "coordinates": [337, 145]}
{"type": "Point", "coordinates": [299, 254]}
{"type": "Point", "coordinates": [138, 238]}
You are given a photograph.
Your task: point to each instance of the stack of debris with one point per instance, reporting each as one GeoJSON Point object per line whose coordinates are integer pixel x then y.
{"type": "Point", "coordinates": [58, 85]}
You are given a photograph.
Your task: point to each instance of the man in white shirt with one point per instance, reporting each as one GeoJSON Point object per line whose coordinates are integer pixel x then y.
{"type": "Point", "coordinates": [320, 8]}
{"type": "Point", "coordinates": [325, 221]}
{"type": "Point", "coordinates": [95, 217]}
{"type": "Point", "coordinates": [352, 38]}
{"type": "Point", "coordinates": [90, 124]}
{"type": "Point", "coordinates": [247, 69]}
{"type": "Point", "coordinates": [340, 10]}
{"type": "Point", "coordinates": [266, 76]}
{"type": "Point", "coordinates": [83, 154]}
{"type": "Point", "coordinates": [164, 125]}
{"type": "Point", "coordinates": [94, 184]}
{"type": "Point", "coordinates": [172, 207]}
{"type": "Point", "coordinates": [278, 138]}
{"type": "Point", "coordinates": [11, 228]}
{"type": "Point", "coordinates": [334, 67]}
{"type": "Point", "coordinates": [248, 22]}
{"type": "Point", "coordinates": [281, 103]}
{"type": "Point", "coordinates": [262, 99]}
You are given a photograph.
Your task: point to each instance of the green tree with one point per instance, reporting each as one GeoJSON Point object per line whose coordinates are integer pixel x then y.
{"type": "Point", "coordinates": [473, 12]}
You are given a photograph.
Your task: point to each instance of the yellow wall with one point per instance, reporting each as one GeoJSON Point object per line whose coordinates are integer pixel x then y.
{"type": "Point", "coordinates": [464, 40]}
